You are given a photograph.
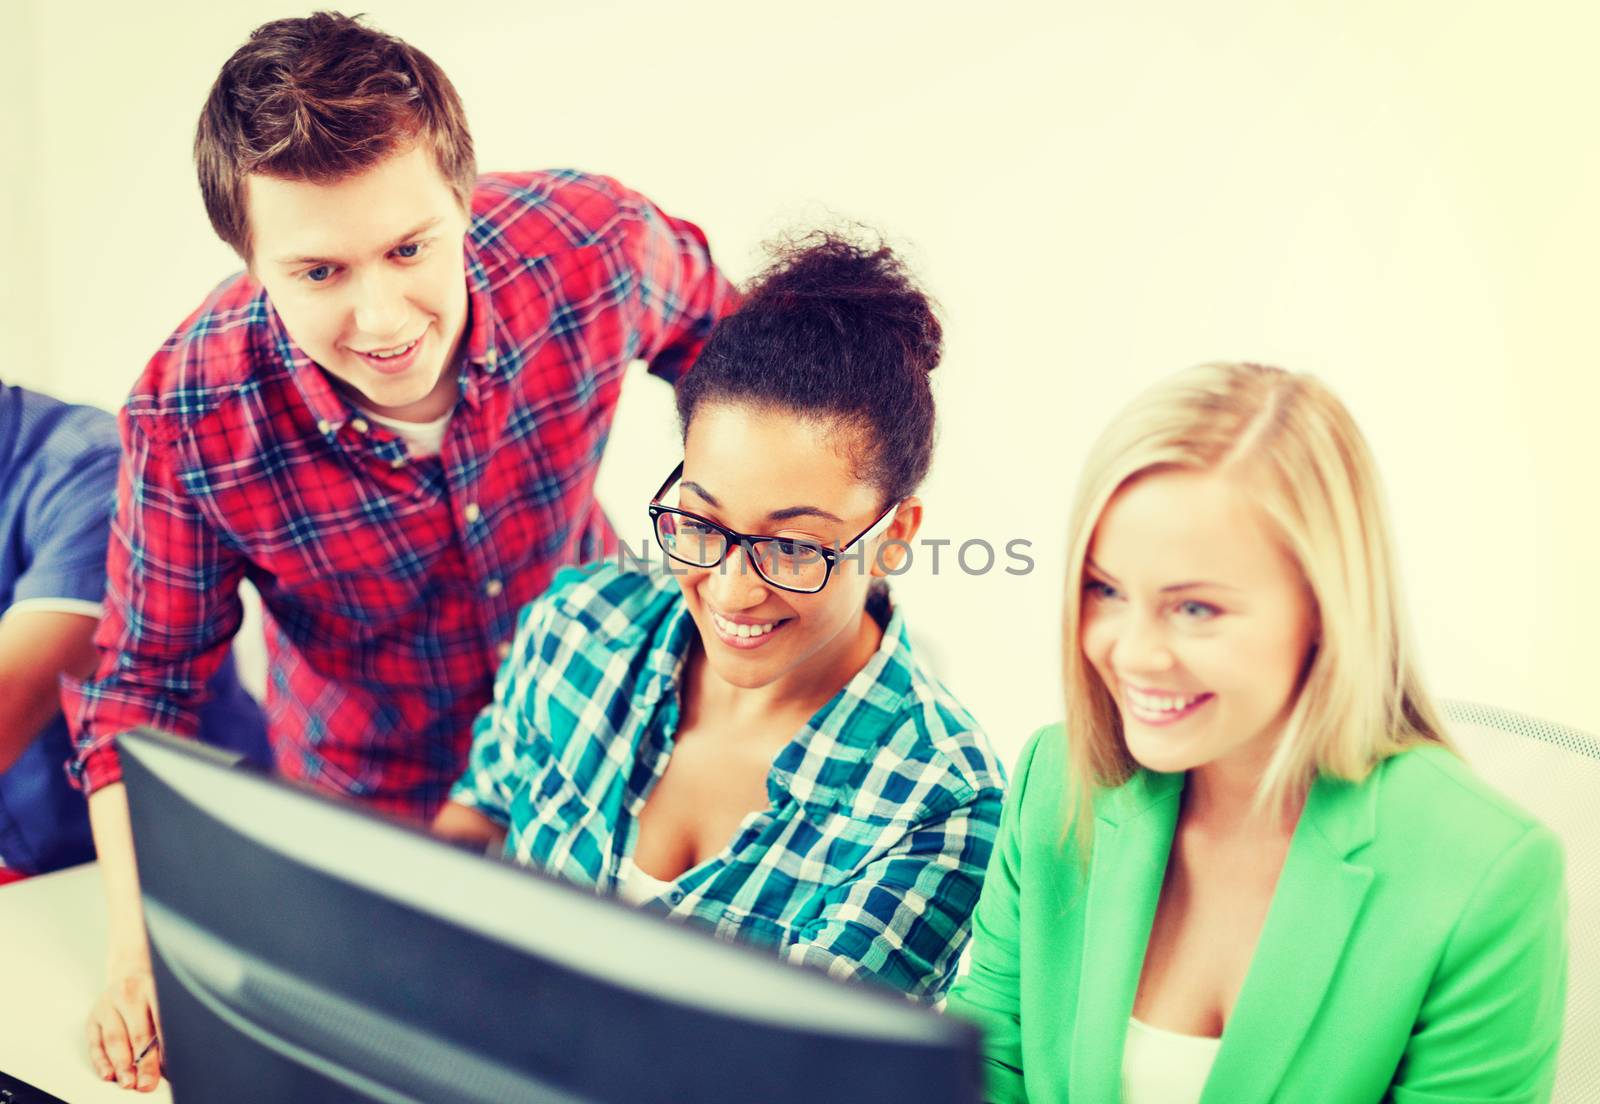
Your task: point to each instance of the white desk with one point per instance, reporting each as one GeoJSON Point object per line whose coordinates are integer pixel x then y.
{"type": "Point", "coordinates": [52, 968]}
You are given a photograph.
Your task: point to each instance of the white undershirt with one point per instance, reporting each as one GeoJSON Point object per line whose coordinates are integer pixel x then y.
{"type": "Point", "coordinates": [1163, 1067]}
{"type": "Point", "coordinates": [423, 439]}
{"type": "Point", "coordinates": [636, 887]}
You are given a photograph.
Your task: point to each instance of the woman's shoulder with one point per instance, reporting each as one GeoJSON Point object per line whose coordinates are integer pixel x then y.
{"type": "Point", "coordinates": [1042, 776]}
{"type": "Point", "coordinates": [927, 725]}
{"type": "Point", "coordinates": [1430, 802]}
{"type": "Point", "coordinates": [899, 752]}
{"type": "Point", "coordinates": [615, 606]}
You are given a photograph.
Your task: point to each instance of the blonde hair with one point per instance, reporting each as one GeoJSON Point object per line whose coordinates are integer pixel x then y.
{"type": "Point", "coordinates": [1306, 465]}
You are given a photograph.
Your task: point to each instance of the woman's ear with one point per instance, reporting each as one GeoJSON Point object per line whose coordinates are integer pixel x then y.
{"type": "Point", "coordinates": [894, 547]}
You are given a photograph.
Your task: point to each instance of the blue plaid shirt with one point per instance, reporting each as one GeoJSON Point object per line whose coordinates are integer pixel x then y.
{"type": "Point", "coordinates": [884, 806]}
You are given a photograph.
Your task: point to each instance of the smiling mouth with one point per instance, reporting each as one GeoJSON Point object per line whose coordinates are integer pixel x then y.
{"type": "Point", "coordinates": [742, 635]}
{"type": "Point", "coordinates": [389, 354]}
{"type": "Point", "coordinates": [1154, 708]}
{"type": "Point", "coordinates": [397, 360]}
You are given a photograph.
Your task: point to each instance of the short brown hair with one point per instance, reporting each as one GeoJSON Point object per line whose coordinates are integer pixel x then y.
{"type": "Point", "coordinates": [319, 99]}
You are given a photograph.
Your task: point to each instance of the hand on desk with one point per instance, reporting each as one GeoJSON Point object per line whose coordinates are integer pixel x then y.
{"type": "Point", "coordinates": [124, 1024]}
{"type": "Point", "coordinates": [469, 828]}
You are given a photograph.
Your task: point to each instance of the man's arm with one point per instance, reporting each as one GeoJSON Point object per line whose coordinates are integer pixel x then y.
{"type": "Point", "coordinates": [123, 1021]}
{"type": "Point", "coordinates": [62, 529]}
{"type": "Point", "coordinates": [36, 648]}
{"type": "Point", "coordinates": [681, 293]}
{"type": "Point", "coordinates": [171, 608]}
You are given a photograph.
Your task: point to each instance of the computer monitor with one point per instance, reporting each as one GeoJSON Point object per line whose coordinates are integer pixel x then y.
{"type": "Point", "coordinates": [308, 950]}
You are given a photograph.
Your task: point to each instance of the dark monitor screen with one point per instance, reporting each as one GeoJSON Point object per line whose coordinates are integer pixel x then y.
{"type": "Point", "coordinates": [307, 950]}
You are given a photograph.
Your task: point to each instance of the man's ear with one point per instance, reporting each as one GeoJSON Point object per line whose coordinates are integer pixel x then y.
{"type": "Point", "coordinates": [894, 546]}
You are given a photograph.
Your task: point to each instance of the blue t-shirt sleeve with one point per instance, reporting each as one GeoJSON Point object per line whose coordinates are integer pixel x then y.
{"type": "Point", "coordinates": [66, 526]}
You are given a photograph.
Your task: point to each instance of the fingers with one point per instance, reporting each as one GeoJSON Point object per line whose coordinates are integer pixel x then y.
{"type": "Point", "coordinates": [123, 1045]}
{"type": "Point", "coordinates": [116, 1052]}
{"type": "Point", "coordinates": [147, 1068]}
{"type": "Point", "coordinates": [132, 1002]}
{"type": "Point", "coordinates": [97, 1051]}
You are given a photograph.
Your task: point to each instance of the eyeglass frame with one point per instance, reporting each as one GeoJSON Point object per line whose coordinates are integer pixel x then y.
{"type": "Point", "coordinates": [731, 537]}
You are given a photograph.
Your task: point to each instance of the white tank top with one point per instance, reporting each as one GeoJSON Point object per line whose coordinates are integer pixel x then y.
{"type": "Point", "coordinates": [635, 886]}
{"type": "Point", "coordinates": [1163, 1067]}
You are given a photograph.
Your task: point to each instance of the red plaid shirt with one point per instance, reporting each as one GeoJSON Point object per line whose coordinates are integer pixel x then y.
{"type": "Point", "coordinates": [390, 584]}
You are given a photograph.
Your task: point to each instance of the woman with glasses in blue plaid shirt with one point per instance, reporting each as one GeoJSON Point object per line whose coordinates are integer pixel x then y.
{"type": "Point", "coordinates": [739, 735]}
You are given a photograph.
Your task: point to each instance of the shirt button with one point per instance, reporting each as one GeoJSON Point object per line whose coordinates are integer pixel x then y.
{"type": "Point", "coordinates": [324, 427]}
{"type": "Point", "coordinates": [504, 650]}
{"type": "Point", "coordinates": [472, 513]}
{"type": "Point", "coordinates": [398, 462]}
{"type": "Point", "coordinates": [493, 588]}
{"type": "Point", "coordinates": [676, 896]}
{"type": "Point", "coordinates": [361, 425]}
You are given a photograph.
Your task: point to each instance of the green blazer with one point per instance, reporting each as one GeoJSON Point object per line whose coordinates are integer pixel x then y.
{"type": "Point", "coordinates": [1414, 950]}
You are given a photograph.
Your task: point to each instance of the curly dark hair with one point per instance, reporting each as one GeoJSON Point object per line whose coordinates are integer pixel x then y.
{"type": "Point", "coordinates": [838, 330]}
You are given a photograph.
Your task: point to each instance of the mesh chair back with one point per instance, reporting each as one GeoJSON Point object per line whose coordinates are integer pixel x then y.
{"type": "Point", "coordinates": [1554, 773]}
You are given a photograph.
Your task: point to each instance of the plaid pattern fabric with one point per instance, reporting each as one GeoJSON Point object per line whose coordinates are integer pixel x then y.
{"type": "Point", "coordinates": [883, 808]}
{"type": "Point", "coordinates": [391, 584]}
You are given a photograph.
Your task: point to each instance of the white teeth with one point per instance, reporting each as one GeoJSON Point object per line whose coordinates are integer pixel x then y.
{"type": "Point", "coordinates": [1159, 703]}
{"type": "Point", "coordinates": [743, 632]}
{"type": "Point", "coordinates": [402, 351]}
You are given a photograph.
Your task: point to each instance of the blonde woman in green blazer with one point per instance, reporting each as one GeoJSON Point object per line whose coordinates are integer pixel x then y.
{"type": "Point", "coordinates": [1249, 867]}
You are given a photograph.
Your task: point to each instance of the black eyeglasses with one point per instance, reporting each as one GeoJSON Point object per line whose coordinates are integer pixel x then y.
{"type": "Point", "coordinates": [788, 563]}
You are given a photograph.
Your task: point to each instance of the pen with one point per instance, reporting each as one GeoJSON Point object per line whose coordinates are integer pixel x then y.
{"type": "Point", "coordinates": [140, 1056]}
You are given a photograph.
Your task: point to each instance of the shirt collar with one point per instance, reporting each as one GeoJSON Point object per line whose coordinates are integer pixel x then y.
{"type": "Point", "coordinates": [481, 344]}
{"type": "Point", "coordinates": [327, 406]}
{"type": "Point", "coordinates": [828, 739]}
{"type": "Point", "coordinates": [832, 742]}
{"type": "Point", "coordinates": [832, 739]}
{"type": "Point", "coordinates": [1343, 813]}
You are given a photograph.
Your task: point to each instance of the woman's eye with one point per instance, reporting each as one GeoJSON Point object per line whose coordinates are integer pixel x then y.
{"type": "Point", "coordinates": [1199, 611]}
{"type": "Point", "coordinates": [799, 551]}
{"type": "Point", "coordinates": [1094, 588]}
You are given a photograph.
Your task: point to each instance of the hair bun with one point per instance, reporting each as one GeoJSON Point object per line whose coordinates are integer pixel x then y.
{"type": "Point", "coordinates": [835, 326]}
{"type": "Point", "coordinates": [863, 278]}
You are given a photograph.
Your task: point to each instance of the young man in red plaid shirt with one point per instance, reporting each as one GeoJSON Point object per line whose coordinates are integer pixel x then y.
{"type": "Point", "coordinates": [390, 425]}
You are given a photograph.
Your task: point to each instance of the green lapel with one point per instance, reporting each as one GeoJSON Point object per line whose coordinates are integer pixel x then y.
{"type": "Point", "coordinates": [1318, 897]}
{"type": "Point", "coordinates": [1133, 836]}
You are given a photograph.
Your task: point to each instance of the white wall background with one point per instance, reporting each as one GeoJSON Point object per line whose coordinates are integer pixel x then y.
{"type": "Point", "coordinates": [1398, 197]}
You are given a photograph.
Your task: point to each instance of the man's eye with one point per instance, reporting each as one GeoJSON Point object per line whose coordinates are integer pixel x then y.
{"type": "Point", "coordinates": [409, 250]}
{"type": "Point", "coordinates": [319, 274]}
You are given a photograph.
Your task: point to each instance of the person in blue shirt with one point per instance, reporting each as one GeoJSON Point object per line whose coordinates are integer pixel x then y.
{"type": "Point", "coordinates": [739, 735]}
{"type": "Point", "coordinates": [58, 472]}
